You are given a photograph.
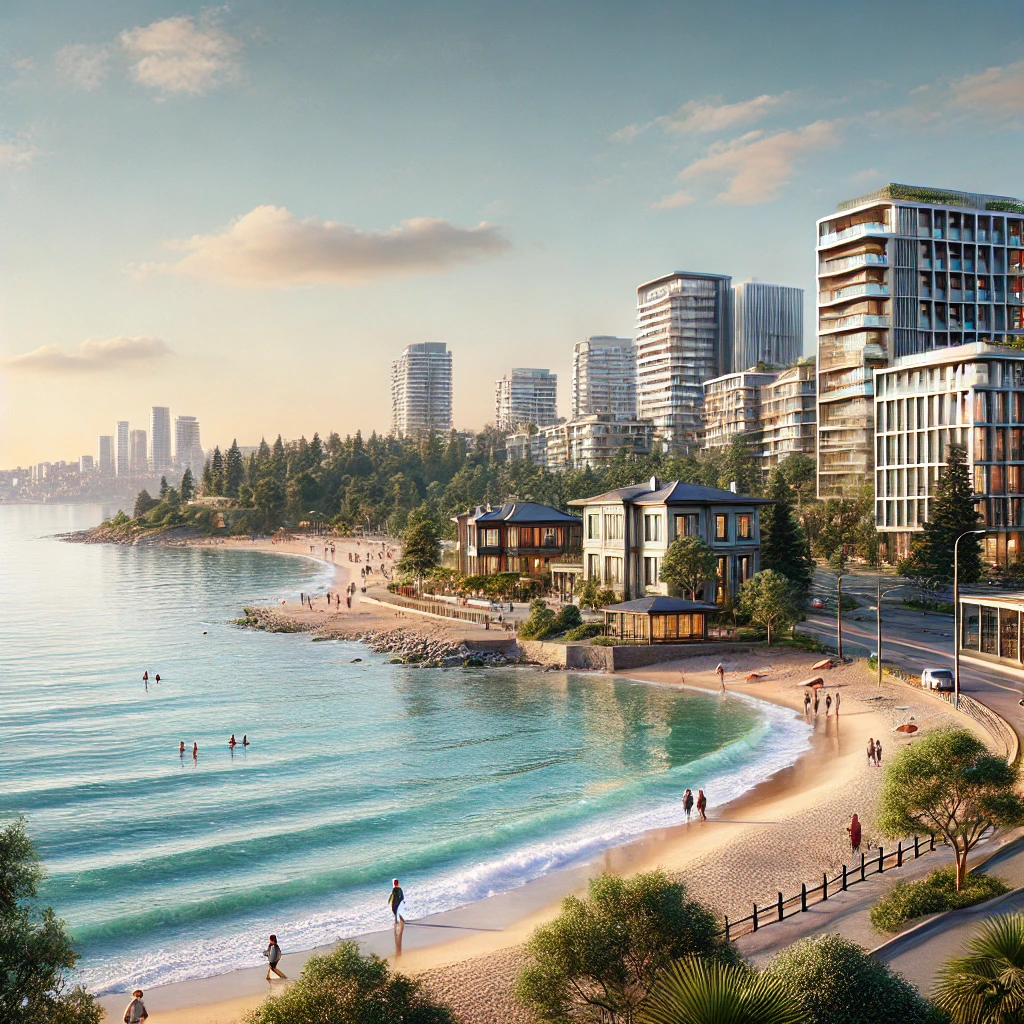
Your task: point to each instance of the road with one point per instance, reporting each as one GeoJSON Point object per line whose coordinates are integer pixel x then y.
{"type": "Point", "coordinates": [911, 639]}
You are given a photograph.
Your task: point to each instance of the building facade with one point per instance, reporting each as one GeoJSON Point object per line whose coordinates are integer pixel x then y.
{"type": "Point", "coordinates": [592, 441]}
{"type": "Point", "coordinates": [627, 531]}
{"type": "Point", "coordinates": [904, 271]}
{"type": "Point", "coordinates": [160, 439]}
{"type": "Point", "coordinates": [972, 395]}
{"type": "Point", "coordinates": [789, 414]}
{"type": "Point", "coordinates": [604, 378]}
{"type": "Point", "coordinates": [519, 536]}
{"type": "Point", "coordinates": [105, 454]}
{"type": "Point", "coordinates": [123, 451]}
{"type": "Point", "coordinates": [526, 395]}
{"type": "Point", "coordinates": [732, 408]}
{"type": "Point", "coordinates": [767, 324]}
{"type": "Point", "coordinates": [188, 450]}
{"type": "Point", "coordinates": [138, 454]}
{"type": "Point", "coordinates": [683, 338]}
{"type": "Point", "coordinates": [990, 632]}
{"type": "Point", "coordinates": [421, 389]}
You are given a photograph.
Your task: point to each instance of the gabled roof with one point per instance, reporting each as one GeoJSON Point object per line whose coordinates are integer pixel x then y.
{"type": "Point", "coordinates": [524, 512]}
{"type": "Point", "coordinates": [674, 493]}
{"type": "Point", "coordinates": [662, 604]}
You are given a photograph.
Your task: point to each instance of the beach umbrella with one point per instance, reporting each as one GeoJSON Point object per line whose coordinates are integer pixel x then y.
{"type": "Point", "coordinates": [906, 727]}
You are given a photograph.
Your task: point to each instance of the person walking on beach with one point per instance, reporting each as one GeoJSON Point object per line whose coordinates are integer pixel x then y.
{"type": "Point", "coordinates": [828, 704]}
{"type": "Point", "coordinates": [395, 901]}
{"type": "Point", "coordinates": [855, 834]}
{"type": "Point", "coordinates": [688, 803]}
{"type": "Point", "coordinates": [837, 703]}
{"type": "Point", "coordinates": [807, 704]}
{"type": "Point", "coordinates": [721, 676]}
{"type": "Point", "coordinates": [273, 955]}
{"type": "Point", "coordinates": [815, 702]}
{"type": "Point", "coordinates": [135, 1011]}
{"type": "Point", "coordinates": [878, 752]}
{"type": "Point", "coordinates": [871, 751]}
{"type": "Point", "coordinates": [702, 804]}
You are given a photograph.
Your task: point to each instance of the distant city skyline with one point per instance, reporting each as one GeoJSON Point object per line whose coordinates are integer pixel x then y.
{"type": "Point", "coordinates": [253, 209]}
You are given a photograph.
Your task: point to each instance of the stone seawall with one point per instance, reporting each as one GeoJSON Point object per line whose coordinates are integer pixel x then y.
{"type": "Point", "coordinates": [612, 659]}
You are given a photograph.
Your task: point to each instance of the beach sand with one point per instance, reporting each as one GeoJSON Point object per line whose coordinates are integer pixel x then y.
{"type": "Point", "coordinates": [787, 830]}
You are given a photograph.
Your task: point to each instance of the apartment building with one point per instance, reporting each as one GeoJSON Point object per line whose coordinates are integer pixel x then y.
{"type": "Point", "coordinates": [526, 395]}
{"type": "Point", "coordinates": [732, 407]}
{"type": "Point", "coordinates": [627, 531]}
{"type": "Point", "coordinates": [105, 454]}
{"type": "Point", "coordinates": [604, 377]}
{"type": "Point", "coordinates": [789, 414]}
{"type": "Point", "coordinates": [971, 395]}
{"type": "Point", "coordinates": [123, 452]}
{"type": "Point", "coordinates": [592, 441]}
{"type": "Point", "coordinates": [904, 271]}
{"type": "Point", "coordinates": [421, 389]}
{"type": "Point", "coordinates": [139, 456]}
{"type": "Point", "coordinates": [160, 439]}
{"type": "Point", "coordinates": [683, 338]}
{"type": "Point", "coordinates": [188, 451]}
{"type": "Point", "coordinates": [86, 465]}
{"type": "Point", "coordinates": [767, 324]}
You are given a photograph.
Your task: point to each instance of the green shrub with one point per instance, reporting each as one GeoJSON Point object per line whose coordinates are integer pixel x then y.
{"type": "Point", "coordinates": [837, 982]}
{"type": "Point", "coordinates": [585, 632]}
{"type": "Point", "coordinates": [906, 901]}
{"type": "Point", "coordinates": [569, 618]}
{"type": "Point", "coordinates": [614, 641]}
{"type": "Point", "coordinates": [541, 623]}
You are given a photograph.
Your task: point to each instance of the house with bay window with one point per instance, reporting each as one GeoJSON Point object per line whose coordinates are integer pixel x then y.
{"type": "Point", "coordinates": [518, 536]}
{"type": "Point", "coordinates": [627, 531]}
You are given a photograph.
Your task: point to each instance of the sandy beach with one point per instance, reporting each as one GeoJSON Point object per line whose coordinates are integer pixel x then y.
{"type": "Point", "coordinates": [788, 829]}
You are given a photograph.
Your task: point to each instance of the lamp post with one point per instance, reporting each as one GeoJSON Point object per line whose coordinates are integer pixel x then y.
{"type": "Point", "coordinates": [839, 615]}
{"type": "Point", "coordinates": [878, 627]}
{"type": "Point", "coordinates": [956, 615]}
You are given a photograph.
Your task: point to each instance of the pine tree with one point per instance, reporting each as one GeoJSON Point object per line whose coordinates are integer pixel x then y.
{"type": "Point", "coordinates": [188, 486]}
{"type": "Point", "coordinates": [316, 452]}
{"type": "Point", "coordinates": [163, 487]}
{"type": "Point", "coordinates": [279, 460]}
{"type": "Point", "coordinates": [208, 484]}
{"type": "Point", "coordinates": [784, 546]}
{"type": "Point", "coordinates": [217, 471]}
{"type": "Point", "coordinates": [234, 471]}
{"type": "Point", "coordinates": [739, 465]}
{"type": "Point", "coordinates": [952, 513]}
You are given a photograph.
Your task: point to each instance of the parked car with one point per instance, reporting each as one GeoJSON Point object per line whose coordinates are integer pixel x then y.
{"type": "Point", "coordinates": [938, 679]}
{"type": "Point", "coordinates": [817, 603]}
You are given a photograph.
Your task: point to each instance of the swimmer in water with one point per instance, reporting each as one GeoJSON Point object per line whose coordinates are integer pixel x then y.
{"type": "Point", "coordinates": [158, 677]}
{"type": "Point", "coordinates": [195, 751]}
{"type": "Point", "coordinates": [245, 740]}
{"type": "Point", "coordinates": [181, 748]}
{"type": "Point", "coordinates": [231, 742]}
{"type": "Point", "coordinates": [145, 676]}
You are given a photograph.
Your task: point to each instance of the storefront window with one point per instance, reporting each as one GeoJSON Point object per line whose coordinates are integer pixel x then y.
{"type": "Point", "coordinates": [1008, 627]}
{"type": "Point", "coordinates": [969, 632]}
{"type": "Point", "coordinates": [989, 630]}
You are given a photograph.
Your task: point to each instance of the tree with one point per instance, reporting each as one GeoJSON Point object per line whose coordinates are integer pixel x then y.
{"type": "Point", "coordinates": [144, 502]}
{"type": "Point", "coordinates": [268, 498]}
{"type": "Point", "coordinates": [784, 546]}
{"type": "Point", "coordinates": [163, 487]}
{"type": "Point", "coordinates": [600, 957]}
{"type": "Point", "coordinates": [986, 985]}
{"type": "Point", "coordinates": [234, 471]}
{"type": "Point", "coordinates": [188, 486]}
{"type": "Point", "coordinates": [688, 564]}
{"type": "Point", "coordinates": [833, 981]}
{"type": "Point", "coordinates": [839, 528]}
{"type": "Point", "coordinates": [540, 623]}
{"type": "Point", "coordinates": [421, 550]}
{"type": "Point", "coordinates": [767, 599]}
{"type": "Point", "coordinates": [740, 466]}
{"type": "Point", "coordinates": [801, 473]}
{"type": "Point", "coordinates": [36, 955]}
{"type": "Point", "coordinates": [346, 988]}
{"type": "Point", "coordinates": [217, 471]}
{"type": "Point", "coordinates": [695, 991]}
{"type": "Point", "coordinates": [952, 513]}
{"type": "Point", "coordinates": [587, 593]}
{"type": "Point", "coordinates": [949, 784]}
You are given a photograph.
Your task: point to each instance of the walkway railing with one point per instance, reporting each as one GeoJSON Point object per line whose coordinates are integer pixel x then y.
{"type": "Point", "coordinates": [439, 608]}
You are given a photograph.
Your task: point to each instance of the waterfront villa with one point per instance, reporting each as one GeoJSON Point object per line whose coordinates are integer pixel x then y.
{"type": "Point", "coordinates": [627, 531]}
{"type": "Point", "coordinates": [518, 536]}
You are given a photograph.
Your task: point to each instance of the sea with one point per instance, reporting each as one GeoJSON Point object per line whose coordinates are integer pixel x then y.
{"type": "Point", "coordinates": [461, 782]}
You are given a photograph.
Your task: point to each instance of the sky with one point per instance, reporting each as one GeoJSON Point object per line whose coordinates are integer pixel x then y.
{"type": "Point", "coordinates": [245, 212]}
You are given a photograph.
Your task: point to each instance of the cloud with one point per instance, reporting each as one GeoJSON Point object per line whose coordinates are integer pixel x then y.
{"type": "Point", "coordinates": [92, 356]}
{"type": "Point", "coordinates": [756, 165]}
{"type": "Point", "coordinates": [83, 66]}
{"type": "Point", "coordinates": [181, 55]}
{"type": "Point", "coordinates": [17, 152]}
{"type": "Point", "coordinates": [710, 115]}
{"type": "Point", "coordinates": [270, 246]}
{"type": "Point", "coordinates": [998, 91]}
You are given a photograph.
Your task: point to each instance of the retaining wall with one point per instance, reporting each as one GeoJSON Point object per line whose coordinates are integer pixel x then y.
{"type": "Point", "coordinates": [612, 659]}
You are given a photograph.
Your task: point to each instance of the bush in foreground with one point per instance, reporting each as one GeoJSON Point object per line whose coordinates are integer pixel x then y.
{"type": "Point", "coordinates": [906, 901]}
{"type": "Point", "coordinates": [346, 988]}
{"type": "Point", "coordinates": [834, 981]}
{"type": "Point", "coordinates": [585, 632]}
{"type": "Point", "coordinates": [600, 957]}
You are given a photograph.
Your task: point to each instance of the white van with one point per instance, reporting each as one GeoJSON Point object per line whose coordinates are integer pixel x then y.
{"type": "Point", "coordinates": [938, 679]}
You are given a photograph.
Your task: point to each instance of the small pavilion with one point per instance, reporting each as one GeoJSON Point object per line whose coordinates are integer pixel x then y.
{"type": "Point", "coordinates": [659, 620]}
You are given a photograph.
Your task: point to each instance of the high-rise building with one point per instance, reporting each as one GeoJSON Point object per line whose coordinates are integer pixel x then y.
{"type": "Point", "coordinates": [188, 452]}
{"type": "Point", "coordinates": [903, 271]}
{"type": "Point", "coordinates": [683, 338]}
{"type": "Point", "coordinates": [122, 451]}
{"type": "Point", "coordinates": [86, 465]}
{"type": "Point", "coordinates": [421, 389]}
{"type": "Point", "coordinates": [789, 414]}
{"type": "Point", "coordinates": [767, 324]}
{"type": "Point", "coordinates": [732, 408]}
{"type": "Point", "coordinates": [604, 377]}
{"type": "Point", "coordinates": [105, 454]}
{"type": "Point", "coordinates": [160, 439]}
{"type": "Point", "coordinates": [526, 395]}
{"type": "Point", "coordinates": [139, 457]}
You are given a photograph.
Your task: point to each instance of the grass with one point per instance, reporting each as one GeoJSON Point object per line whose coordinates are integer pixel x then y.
{"type": "Point", "coordinates": [928, 604]}
{"type": "Point", "coordinates": [907, 901]}
{"type": "Point", "coordinates": [614, 641]}
{"type": "Point", "coordinates": [584, 632]}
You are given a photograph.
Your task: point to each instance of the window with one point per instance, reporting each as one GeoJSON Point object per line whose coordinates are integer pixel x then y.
{"type": "Point", "coordinates": [721, 527]}
{"type": "Point", "coordinates": [512, 536]}
{"type": "Point", "coordinates": [594, 567]}
{"type": "Point", "coordinates": [650, 572]}
{"type": "Point", "coordinates": [613, 527]}
{"type": "Point", "coordinates": [612, 569]}
{"type": "Point", "coordinates": [549, 537]}
{"type": "Point", "coordinates": [652, 527]}
{"type": "Point", "coordinates": [489, 538]}
{"type": "Point", "coordinates": [686, 525]}
{"type": "Point", "coordinates": [744, 528]}
{"type": "Point", "coordinates": [720, 581]}
{"type": "Point", "coordinates": [593, 526]}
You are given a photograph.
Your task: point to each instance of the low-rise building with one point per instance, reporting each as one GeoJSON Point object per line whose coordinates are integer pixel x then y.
{"type": "Point", "coordinates": [732, 407]}
{"type": "Point", "coordinates": [518, 536]}
{"type": "Point", "coordinates": [627, 531]}
{"type": "Point", "coordinates": [789, 414]}
{"type": "Point", "coordinates": [990, 631]}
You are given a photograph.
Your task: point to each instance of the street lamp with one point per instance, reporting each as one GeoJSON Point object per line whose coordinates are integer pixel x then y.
{"type": "Point", "coordinates": [878, 628]}
{"type": "Point", "coordinates": [956, 615]}
{"type": "Point", "coordinates": [839, 615]}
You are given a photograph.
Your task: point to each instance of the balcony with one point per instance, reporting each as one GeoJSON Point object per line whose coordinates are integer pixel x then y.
{"type": "Point", "coordinates": [847, 323]}
{"type": "Point", "coordinates": [853, 291]}
{"type": "Point", "coordinates": [866, 259]}
{"type": "Point", "coordinates": [855, 231]}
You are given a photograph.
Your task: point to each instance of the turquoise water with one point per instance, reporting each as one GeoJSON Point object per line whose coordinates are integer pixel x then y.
{"type": "Point", "coordinates": [461, 782]}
